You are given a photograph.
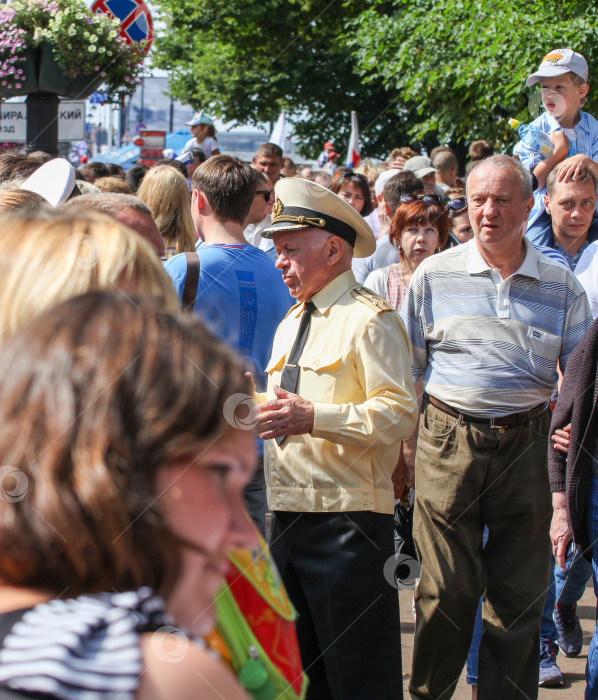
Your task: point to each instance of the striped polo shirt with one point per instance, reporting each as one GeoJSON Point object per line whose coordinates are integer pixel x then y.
{"type": "Point", "coordinates": [488, 346]}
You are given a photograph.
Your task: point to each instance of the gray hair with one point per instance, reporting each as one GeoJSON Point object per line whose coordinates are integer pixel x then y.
{"type": "Point", "coordinates": [503, 162]}
{"type": "Point", "coordinates": [110, 203]}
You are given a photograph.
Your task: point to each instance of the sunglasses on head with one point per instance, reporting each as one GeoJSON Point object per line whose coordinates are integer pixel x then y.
{"type": "Point", "coordinates": [266, 194]}
{"type": "Point", "coordinates": [425, 198]}
{"type": "Point", "coordinates": [457, 205]}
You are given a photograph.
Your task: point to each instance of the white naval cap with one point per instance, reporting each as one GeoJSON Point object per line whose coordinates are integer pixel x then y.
{"type": "Point", "coordinates": [54, 181]}
{"type": "Point", "coordinates": [302, 204]}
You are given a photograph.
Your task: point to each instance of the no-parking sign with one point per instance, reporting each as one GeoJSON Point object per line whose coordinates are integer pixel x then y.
{"type": "Point", "coordinates": [134, 16]}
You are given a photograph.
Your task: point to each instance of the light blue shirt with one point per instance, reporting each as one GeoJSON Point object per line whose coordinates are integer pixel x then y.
{"type": "Point", "coordinates": [489, 346]}
{"type": "Point", "coordinates": [586, 143]}
{"type": "Point", "coordinates": [571, 260]}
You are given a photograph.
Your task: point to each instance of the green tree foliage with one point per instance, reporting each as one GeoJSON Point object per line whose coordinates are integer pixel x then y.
{"type": "Point", "coordinates": [245, 60]}
{"type": "Point", "coordinates": [460, 66]}
{"type": "Point", "coordinates": [430, 70]}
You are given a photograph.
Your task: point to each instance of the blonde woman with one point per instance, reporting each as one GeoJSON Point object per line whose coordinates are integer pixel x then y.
{"type": "Point", "coordinates": [166, 193]}
{"type": "Point", "coordinates": [59, 255]}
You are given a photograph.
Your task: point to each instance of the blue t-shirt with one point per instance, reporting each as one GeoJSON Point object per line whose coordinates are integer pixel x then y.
{"type": "Point", "coordinates": [241, 296]}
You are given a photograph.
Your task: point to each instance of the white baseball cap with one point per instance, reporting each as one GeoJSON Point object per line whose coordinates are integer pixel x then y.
{"type": "Point", "coordinates": [383, 178]}
{"type": "Point", "coordinates": [558, 62]}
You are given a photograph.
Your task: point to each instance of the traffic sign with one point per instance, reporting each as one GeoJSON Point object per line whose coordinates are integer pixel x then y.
{"type": "Point", "coordinates": [134, 16]}
{"type": "Point", "coordinates": [99, 97]}
{"type": "Point", "coordinates": [140, 127]}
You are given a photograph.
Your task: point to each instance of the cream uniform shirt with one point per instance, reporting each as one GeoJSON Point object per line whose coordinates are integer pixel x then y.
{"type": "Point", "coordinates": [356, 370]}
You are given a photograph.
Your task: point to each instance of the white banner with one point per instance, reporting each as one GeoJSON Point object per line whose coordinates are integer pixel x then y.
{"type": "Point", "coordinates": [71, 121]}
{"type": "Point", "coordinates": [13, 121]}
{"type": "Point", "coordinates": [278, 136]}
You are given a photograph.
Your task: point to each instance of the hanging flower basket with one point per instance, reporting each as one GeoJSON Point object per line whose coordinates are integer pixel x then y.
{"type": "Point", "coordinates": [24, 82]}
{"type": "Point", "coordinates": [62, 47]}
{"type": "Point", "coordinates": [52, 77]}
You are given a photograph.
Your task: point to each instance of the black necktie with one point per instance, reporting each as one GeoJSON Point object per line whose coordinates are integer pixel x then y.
{"type": "Point", "coordinates": [290, 373]}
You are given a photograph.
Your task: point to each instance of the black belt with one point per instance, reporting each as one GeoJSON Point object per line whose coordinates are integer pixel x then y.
{"type": "Point", "coordinates": [510, 421]}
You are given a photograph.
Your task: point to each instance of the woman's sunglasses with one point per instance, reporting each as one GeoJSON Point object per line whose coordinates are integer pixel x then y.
{"type": "Point", "coordinates": [425, 198]}
{"type": "Point", "coordinates": [459, 204]}
{"type": "Point", "coordinates": [266, 194]}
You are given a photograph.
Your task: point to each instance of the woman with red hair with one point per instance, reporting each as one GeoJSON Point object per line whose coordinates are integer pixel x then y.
{"type": "Point", "coordinates": [419, 229]}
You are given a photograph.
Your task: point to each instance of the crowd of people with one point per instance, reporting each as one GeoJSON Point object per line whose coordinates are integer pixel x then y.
{"type": "Point", "coordinates": [209, 354]}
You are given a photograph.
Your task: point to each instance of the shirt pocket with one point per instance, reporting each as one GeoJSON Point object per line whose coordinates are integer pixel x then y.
{"type": "Point", "coordinates": [318, 376]}
{"type": "Point", "coordinates": [545, 348]}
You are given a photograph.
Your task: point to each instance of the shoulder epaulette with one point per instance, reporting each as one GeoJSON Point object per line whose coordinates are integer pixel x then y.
{"type": "Point", "coordinates": [370, 299]}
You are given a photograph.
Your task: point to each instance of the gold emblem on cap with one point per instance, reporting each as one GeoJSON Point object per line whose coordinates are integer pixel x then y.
{"type": "Point", "coordinates": [552, 57]}
{"type": "Point", "coordinates": [277, 208]}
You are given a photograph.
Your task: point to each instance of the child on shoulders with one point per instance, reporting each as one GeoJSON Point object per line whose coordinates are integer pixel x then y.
{"type": "Point", "coordinates": [563, 77]}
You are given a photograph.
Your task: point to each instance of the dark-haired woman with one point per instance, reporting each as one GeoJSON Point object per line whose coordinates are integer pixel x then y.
{"type": "Point", "coordinates": [459, 222]}
{"type": "Point", "coordinates": [355, 190]}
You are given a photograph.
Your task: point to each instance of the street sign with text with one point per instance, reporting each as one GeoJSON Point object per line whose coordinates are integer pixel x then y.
{"type": "Point", "coordinates": [13, 121]}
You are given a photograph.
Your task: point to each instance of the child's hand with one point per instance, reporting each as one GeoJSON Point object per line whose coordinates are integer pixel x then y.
{"type": "Point", "coordinates": [570, 167]}
{"type": "Point", "coordinates": [561, 144]}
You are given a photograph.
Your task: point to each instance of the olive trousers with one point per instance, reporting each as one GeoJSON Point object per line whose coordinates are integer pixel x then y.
{"type": "Point", "coordinates": [469, 474]}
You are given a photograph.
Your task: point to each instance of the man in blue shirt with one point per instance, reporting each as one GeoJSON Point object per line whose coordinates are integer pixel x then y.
{"type": "Point", "coordinates": [240, 294]}
{"type": "Point", "coordinates": [571, 205]}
